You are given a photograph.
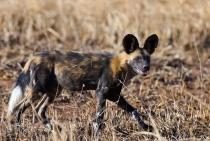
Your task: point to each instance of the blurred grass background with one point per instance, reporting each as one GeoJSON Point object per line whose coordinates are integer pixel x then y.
{"type": "Point", "coordinates": [177, 90]}
{"type": "Point", "coordinates": [184, 22]}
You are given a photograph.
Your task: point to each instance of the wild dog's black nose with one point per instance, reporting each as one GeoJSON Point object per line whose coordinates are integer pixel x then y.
{"type": "Point", "coordinates": [146, 68]}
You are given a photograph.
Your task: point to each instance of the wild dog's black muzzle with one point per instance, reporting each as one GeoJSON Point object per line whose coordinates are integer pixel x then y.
{"type": "Point", "coordinates": [146, 67]}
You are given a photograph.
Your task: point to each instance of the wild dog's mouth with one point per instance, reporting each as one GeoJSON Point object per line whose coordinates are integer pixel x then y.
{"type": "Point", "coordinates": [144, 73]}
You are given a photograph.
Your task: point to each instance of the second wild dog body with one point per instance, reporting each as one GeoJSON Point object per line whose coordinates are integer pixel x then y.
{"type": "Point", "coordinates": [47, 73]}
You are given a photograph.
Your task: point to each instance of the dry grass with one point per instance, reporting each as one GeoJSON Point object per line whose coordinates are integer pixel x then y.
{"type": "Point", "coordinates": [174, 98]}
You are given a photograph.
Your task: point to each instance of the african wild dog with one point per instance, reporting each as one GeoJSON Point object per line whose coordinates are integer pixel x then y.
{"type": "Point", "coordinates": [47, 73]}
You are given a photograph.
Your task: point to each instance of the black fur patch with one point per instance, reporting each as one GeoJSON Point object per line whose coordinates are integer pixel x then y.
{"type": "Point", "coordinates": [23, 80]}
{"type": "Point", "coordinates": [151, 43]}
{"type": "Point", "coordinates": [130, 43]}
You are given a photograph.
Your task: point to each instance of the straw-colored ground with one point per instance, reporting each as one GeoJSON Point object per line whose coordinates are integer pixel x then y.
{"type": "Point", "coordinates": [173, 98]}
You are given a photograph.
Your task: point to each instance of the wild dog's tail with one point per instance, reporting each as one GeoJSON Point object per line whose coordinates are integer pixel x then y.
{"type": "Point", "coordinates": [18, 92]}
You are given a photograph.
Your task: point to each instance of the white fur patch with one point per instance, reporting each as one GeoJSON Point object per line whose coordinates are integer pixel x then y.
{"type": "Point", "coordinates": [15, 98]}
{"type": "Point", "coordinates": [134, 115]}
{"type": "Point", "coordinates": [48, 125]}
{"type": "Point", "coordinates": [98, 114]}
{"type": "Point", "coordinates": [95, 126]}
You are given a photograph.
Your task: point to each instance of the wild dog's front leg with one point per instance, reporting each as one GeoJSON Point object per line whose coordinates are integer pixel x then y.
{"type": "Point", "coordinates": [136, 117]}
{"type": "Point", "coordinates": [127, 107]}
{"type": "Point", "coordinates": [101, 91]}
{"type": "Point", "coordinates": [101, 102]}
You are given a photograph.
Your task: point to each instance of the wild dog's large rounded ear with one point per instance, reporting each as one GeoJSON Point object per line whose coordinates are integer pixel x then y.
{"type": "Point", "coordinates": [130, 43]}
{"type": "Point", "coordinates": [151, 43]}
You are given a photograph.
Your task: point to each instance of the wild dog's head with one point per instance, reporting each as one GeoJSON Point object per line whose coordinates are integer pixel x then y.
{"type": "Point", "coordinates": [139, 57]}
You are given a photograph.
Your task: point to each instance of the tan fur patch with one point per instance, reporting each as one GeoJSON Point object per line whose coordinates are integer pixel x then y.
{"type": "Point", "coordinates": [63, 52]}
{"type": "Point", "coordinates": [134, 54]}
{"type": "Point", "coordinates": [59, 68]}
{"type": "Point", "coordinates": [118, 62]}
{"type": "Point", "coordinates": [94, 58]}
{"type": "Point", "coordinates": [33, 59]}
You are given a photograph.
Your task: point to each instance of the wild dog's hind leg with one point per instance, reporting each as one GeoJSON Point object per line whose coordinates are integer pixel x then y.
{"type": "Point", "coordinates": [40, 107]}
{"type": "Point", "coordinates": [47, 99]}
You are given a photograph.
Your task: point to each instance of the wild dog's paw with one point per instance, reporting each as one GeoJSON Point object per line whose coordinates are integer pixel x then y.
{"type": "Point", "coordinates": [98, 129]}
{"type": "Point", "coordinates": [48, 124]}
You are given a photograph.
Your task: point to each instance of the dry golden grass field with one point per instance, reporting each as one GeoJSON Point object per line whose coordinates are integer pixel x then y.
{"type": "Point", "coordinates": [174, 98]}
